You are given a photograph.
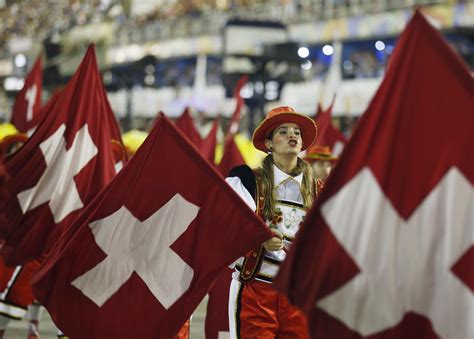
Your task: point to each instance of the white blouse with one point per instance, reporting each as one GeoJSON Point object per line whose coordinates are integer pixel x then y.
{"type": "Point", "coordinates": [286, 187]}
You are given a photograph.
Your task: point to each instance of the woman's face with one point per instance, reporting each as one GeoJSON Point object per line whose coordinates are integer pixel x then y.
{"type": "Point", "coordinates": [321, 169]}
{"type": "Point", "coordinates": [286, 139]}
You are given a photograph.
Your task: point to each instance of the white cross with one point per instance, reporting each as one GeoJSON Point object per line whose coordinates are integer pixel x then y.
{"type": "Point", "coordinates": [404, 265]}
{"type": "Point", "coordinates": [57, 185]}
{"type": "Point", "coordinates": [142, 247]}
{"type": "Point", "coordinates": [30, 97]}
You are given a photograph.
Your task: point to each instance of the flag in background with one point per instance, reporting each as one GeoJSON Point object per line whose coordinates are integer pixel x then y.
{"type": "Point", "coordinates": [328, 135]}
{"type": "Point", "coordinates": [25, 113]}
{"type": "Point", "coordinates": [208, 145]}
{"type": "Point", "coordinates": [186, 124]}
{"type": "Point", "coordinates": [217, 318]}
{"type": "Point", "coordinates": [65, 163]}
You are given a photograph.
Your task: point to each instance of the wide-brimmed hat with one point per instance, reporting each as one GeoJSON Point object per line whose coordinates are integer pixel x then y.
{"type": "Point", "coordinates": [319, 152]}
{"type": "Point", "coordinates": [118, 150]}
{"type": "Point", "coordinates": [282, 115]}
{"type": "Point", "coordinates": [10, 140]}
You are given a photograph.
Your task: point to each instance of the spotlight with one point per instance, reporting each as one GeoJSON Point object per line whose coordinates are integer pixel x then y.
{"type": "Point", "coordinates": [379, 45]}
{"type": "Point", "coordinates": [303, 52]}
{"type": "Point", "coordinates": [306, 65]}
{"type": "Point", "coordinates": [328, 50]}
{"type": "Point", "coordinates": [20, 60]}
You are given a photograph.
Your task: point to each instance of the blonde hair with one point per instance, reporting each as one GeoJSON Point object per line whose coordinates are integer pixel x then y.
{"type": "Point", "coordinates": [265, 174]}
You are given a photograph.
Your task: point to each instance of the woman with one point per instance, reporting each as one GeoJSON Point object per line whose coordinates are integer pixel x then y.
{"type": "Point", "coordinates": [280, 192]}
{"type": "Point", "coordinates": [321, 160]}
{"type": "Point", "coordinates": [16, 296]}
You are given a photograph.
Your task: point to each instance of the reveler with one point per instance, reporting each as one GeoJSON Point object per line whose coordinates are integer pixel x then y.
{"type": "Point", "coordinates": [280, 192]}
{"type": "Point", "coordinates": [321, 160]}
{"type": "Point", "coordinates": [16, 296]}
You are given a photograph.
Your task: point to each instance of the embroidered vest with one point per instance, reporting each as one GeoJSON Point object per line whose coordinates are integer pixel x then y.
{"type": "Point", "coordinates": [259, 263]}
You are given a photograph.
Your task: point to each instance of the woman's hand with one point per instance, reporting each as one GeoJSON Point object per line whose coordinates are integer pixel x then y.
{"type": "Point", "coordinates": [275, 243]}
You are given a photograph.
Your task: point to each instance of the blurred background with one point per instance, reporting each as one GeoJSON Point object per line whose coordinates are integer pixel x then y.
{"type": "Point", "coordinates": [171, 54]}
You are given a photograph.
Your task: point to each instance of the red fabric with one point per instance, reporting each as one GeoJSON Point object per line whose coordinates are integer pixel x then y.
{"type": "Point", "coordinates": [159, 170]}
{"type": "Point", "coordinates": [265, 313]}
{"type": "Point", "coordinates": [29, 98]}
{"type": "Point", "coordinates": [412, 133]}
{"type": "Point", "coordinates": [17, 291]}
{"type": "Point", "coordinates": [3, 177]}
{"type": "Point", "coordinates": [186, 124]}
{"type": "Point", "coordinates": [235, 119]}
{"type": "Point", "coordinates": [328, 135]}
{"type": "Point", "coordinates": [231, 157]}
{"type": "Point", "coordinates": [81, 105]}
{"type": "Point", "coordinates": [217, 315]}
{"type": "Point", "coordinates": [208, 145]}
{"type": "Point", "coordinates": [3, 190]}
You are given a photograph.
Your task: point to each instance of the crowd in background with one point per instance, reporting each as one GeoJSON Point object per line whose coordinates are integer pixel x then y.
{"type": "Point", "coordinates": [189, 8]}
{"type": "Point", "coordinates": [40, 19]}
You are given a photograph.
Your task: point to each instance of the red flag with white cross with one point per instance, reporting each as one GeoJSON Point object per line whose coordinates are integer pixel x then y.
{"type": "Point", "coordinates": [231, 156]}
{"type": "Point", "coordinates": [25, 114]}
{"type": "Point", "coordinates": [147, 249]}
{"type": "Point", "coordinates": [240, 102]}
{"type": "Point", "coordinates": [64, 164]}
{"type": "Point", "coordinates": [388, 250]}
{"type": "Point", "coordinates": [186, 124]}
{"type": "Point", "coordinates": [328, 135]}
{"type": "Point", "coordinates": [216, 324]}
{"type": "Point", "coordinates": [208, 144]}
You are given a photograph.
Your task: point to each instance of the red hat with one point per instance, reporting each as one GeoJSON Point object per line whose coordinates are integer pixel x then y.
{"type": "Point", "coordinates": [319, 152]}
{"type": "Point", "coordinates": [281, 115]}
{"type": "Point", "coordinates": [10, 140]}
{"type": "Point", "coordinates": [119, 151]}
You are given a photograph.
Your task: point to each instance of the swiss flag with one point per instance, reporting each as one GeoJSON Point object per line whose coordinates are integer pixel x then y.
{"type": "Point", "coordinates": [147, 249]}
{"type": "Point", "coordinates": [216, 325]}
{"type": "Point", "coordinates": [231, 156]}
{"type": "Point", "coordinates": [64, 164]}
{"type": "Point", "coordinates": [186, 124]}
{"type": "Point", "coordinates": [236, 115]}
{"type": "Point", "coordinates": [217, 317]}
{"type": "Point", "coordinates": [387, 251]}
{"type": "Point", "coordinates": [328, 135]}
{"type": "Point", "coordinates": [208, 145]}
{"type": "Point", "coordinates": [25, 115]}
